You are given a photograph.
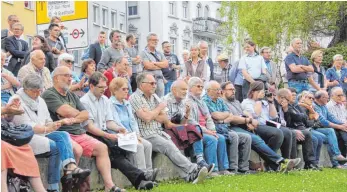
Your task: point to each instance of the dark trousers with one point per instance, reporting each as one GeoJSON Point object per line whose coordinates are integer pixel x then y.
{"type": "Point", "coordinates": [272, 136]}
{"type": "Point", "coordinates": [238, 93]}
{"type": "Point", "coordinates": [289, 142]}
{"type": "Point", "coordinates": [120, 162]}
{"type": "Point", "coordinates": [342, 138]}
{"type": "Point", "coordinates": [307, 148]}
{"type": "Point", "coordinates": [133, 82]}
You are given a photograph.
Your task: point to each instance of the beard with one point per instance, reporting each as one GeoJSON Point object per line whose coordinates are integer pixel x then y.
{"type": "Point", "coordinates": [231, 98]}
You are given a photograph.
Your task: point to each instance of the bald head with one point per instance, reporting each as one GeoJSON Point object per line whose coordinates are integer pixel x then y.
{"type": "Point", "coordinates": [213, 89]}
{"type": "Point", "coordinates": [38, 58]}
{"type": "Point", "coordinates": [61, 70]}
{"type": "Point", "coordinates": [179, 89]}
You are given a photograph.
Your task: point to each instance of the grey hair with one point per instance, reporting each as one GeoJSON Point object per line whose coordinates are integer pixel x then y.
{"type": "Point", "coordinates": [337, 56]}
{"type": "Point", "coordinates": [176, 83]}
{"type": "Point", "coordinates": [57, 70]}
{"type": "Point", "coordinates": [32, 81]}
{"type": "Point", "coordinates": [294, 40]}
{"type": "Point", "coordinates": [119, 59]}
{"type": "Point", "coordinates": [304, 93]}
{"type": "Point", "coordinates": [18, 24]}
{"type": "Point", "coordinates": [334, 90]}
{"type": "Point", "coordinates": [150, 34]}
{"type": "Point", "coordinates": [201, 42]}
{"type": "Point", "coordinates": [10, 17]}
{"type": "Point", "coordinates": [210, 83]}
{"type": "Point", "coordinates": [141, 78]}
{"type": "Point", "coordinates": [185, 52]}
{"type": "Point", "coordinates": [65, 56]}
{"type": "Point", "coordinates": [319, 94]}
{"type": "Point", "coordinates": [194, 81]}
{"type": "Point", "coordinates": [264, 48]}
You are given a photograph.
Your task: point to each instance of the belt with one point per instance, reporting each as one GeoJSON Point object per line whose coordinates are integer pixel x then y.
{"type": "Point", "coordinates": [299, 81]}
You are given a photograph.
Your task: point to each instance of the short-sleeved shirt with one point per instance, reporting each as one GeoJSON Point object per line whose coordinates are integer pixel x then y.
{"type": "Point", "coordinates": [169, 72]}
{"type": "Point", "coordinates": [57, 44]}
{"type": "Point", "coordinates": [174, 106]}
{"type": "Point", "coordinates": [293, 58]}
{"type": "Point", "coordinates": [100, 110]}
{"type": "Point", "coordinates": [215, 106]}
{"type": "Point", "coordinates": [155, 56]}
{"type": "Point", "coordinates": [248, 105]}
{"type": "Point", "coordinates": [139, 101]}
{"type": "Point", "coordinates": [254, 64]}
{"type": "Point", "coordinates": [54, 100]}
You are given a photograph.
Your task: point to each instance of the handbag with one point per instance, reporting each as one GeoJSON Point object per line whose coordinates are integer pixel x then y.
{"type": "Point", "coordinates": [16, 135]}
{"type": "Point", "coordinates": [17, 183]}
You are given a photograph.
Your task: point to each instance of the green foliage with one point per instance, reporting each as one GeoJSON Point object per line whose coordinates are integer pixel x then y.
{"type": "Point", "coordinates": [268, 23]}
{"type": "Point", "coordinates": [329, 53]}
{"type": "Point", "coordinates": [315, 181]}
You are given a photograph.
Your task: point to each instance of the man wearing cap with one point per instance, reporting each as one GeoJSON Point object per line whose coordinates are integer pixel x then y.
{"type": "Point", "coordinates": [221, 72]}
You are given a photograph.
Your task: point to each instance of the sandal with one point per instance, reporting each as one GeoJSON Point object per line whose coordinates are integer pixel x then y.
{"type": "Point", "coordinates": [78, 173]}
{"type": "Point", "coordinates": [117, 189]}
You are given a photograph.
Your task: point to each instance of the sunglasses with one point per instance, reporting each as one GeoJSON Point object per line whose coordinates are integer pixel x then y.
{"type": "Point", "coordinates": [69, 61]}
{"type": "Point", "coordinates": [199, 86]}
{"type": "Point", "coordinates": [151, 83]}
{"type": "Point", "coordinates": [310, 98]}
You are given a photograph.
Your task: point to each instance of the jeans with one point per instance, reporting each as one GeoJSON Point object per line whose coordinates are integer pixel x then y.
{"type": "Point", "coordinates": [299, 86]}
{"type": "Point", "coordinates": [239, 151]}
{"type": "Point", "coordinates": [54, 163]}
{"type": "Point", "coordinates": [264, 151]}
{"type": "Point", "coordinates": [168, 87]}
{"type": "Point", "coordinates": [160, 88]}
{"type": "Point", "coordinates": [216, 151]}
{"type": "Point", "coordinates": [5, 96]}
{"type": "Point", "coordinates": [328, 136]}
{"type": "Point", "coordinates": [317, 143]}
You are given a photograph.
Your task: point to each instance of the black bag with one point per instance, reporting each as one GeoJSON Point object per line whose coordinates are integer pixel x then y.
{"type": "Point", "coordinates": [17, 183]}
{"type": "Point", "coordinates": [16, 135]}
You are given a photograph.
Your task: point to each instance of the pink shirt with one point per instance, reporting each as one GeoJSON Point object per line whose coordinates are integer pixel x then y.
{"type": "Point", "coordinates": [202, 119]}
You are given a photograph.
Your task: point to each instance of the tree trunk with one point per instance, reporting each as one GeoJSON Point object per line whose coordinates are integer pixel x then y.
{"type": "Point", "coordinates": [340, 34]}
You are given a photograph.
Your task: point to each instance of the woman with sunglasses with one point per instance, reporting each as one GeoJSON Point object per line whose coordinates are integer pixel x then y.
{"type": "Point", "coordinates": [123, 115]}
{"type": "Point", "coordinates": [337, 75]}
{"type": "Point", "coordinates": [40, 43]}
{"type": "Point", "coordinates": [324, 135]}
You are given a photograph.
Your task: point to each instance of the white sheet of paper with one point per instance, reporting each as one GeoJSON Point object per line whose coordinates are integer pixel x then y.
{"type": "Point", "coordinates": [128, 141]}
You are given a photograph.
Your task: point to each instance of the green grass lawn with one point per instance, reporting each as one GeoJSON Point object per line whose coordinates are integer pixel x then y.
{"type": "Point", "coordinates": [329, 180]}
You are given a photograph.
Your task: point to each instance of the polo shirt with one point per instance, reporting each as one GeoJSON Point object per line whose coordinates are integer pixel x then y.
{"type": "Point", "coordinates": [293, 58]}
{"type": "Point", "coordinates": [146, 55]}
{"type": "Point", "coordinates": [253, 64]}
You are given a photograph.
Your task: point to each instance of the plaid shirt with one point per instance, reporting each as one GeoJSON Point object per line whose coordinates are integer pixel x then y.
{"type": "Point", "coordinates": [222, 75]}
{"type": "Point", "coordinates": [215, 106]}
{"type": "Point", "coordinates": [338, 110]}
{"type": "Point", "coordinates": [174, 107]}
{"type": "Point", "coordinates": [139, 101]}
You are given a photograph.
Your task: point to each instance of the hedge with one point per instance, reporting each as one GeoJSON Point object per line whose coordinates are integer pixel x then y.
{"type": "Point", "coordinates": [329, 54]}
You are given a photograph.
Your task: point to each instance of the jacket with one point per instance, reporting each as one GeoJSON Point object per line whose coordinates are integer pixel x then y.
{"type": "Point", "coordinates": [17, 55]}
{"type": "Point", "coordinates": [50, 63]}
{"type": "Point", "coordinates": [95, 52]}
{"type": "Point", "coordinates": [184, 136]}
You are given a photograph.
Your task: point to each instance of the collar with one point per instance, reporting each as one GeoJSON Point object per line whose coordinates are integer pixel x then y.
{"type": "Point", "coordinates": [148, 51]}
{"type": "Point", "coordinates": [172, 98]}
{"type": "Point", "coordinates": [92, 96]}
{"type": "Point", "coordinates": [208, 98]}
{"type": "Point", "coordinates": [193, 97]}
{"type": "Point", "coordinates": [191, 60]}
{"type": "Point", "coordinates": [140, 92]}
{"type": "Point", "coordinates": [335, 103]}
{"type": "Point", "coordinates": [116, 102]}
{"type": "Point", "coordinates": [253, 55]}
{"type": "Point", "coordinates": [35, 68]}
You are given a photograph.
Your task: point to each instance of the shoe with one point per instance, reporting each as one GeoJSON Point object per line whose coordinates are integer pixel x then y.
{"type": "Point", "coordinates": [145, 185]}
{"type": "Point", "coordinates": [248, 172]}
{"type": "Point", "coordinates": [340, 159]}
{"type": "Point", "coordinates": [198, 175]}
{"type": "Point", "coordinates": [214, 174]}
{"type": "Point", "coordinates": [225, 172]}
{"type": "Point", "coordinates": [116, 189]}
{"type": "Point", "coordinates": [288, 164]}
{"type": "Point", "coordinates": [152, 176]}
{"type": "Point", "coordinates": [209, 167]}
{"type": "Point", "coordinates": [311, 167]}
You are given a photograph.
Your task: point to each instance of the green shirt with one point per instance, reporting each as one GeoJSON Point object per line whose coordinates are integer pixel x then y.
{"type": "Point", "coordinates": [54, 100]}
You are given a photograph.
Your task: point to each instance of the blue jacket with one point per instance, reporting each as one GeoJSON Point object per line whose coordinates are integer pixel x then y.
{"type": "Point", "coordinates": [325, 117]}
{"type": "Point", "coordinates": [331, 75]}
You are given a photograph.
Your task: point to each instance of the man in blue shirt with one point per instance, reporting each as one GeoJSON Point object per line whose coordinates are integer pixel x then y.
{"type": "Point", "coordinates": [297, 67]}
{"type": "Point", "coordinates": [169, 72]}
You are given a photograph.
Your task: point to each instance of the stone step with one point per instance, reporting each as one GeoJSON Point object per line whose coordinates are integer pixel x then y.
{"type": "Point", "coordinates": [167, 170]}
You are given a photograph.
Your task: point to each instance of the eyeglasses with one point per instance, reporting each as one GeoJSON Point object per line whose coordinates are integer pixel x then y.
{"type": "Point", "coordinates": [219, 89]}
{"type": "Point", "coordinates": [341, 95]}
{"type": "Point", "coordinates": [155, 40]}
{"type": "Point", "coordinates": [151, 83]}
{"type": "Point", "coordinates": [102, 87]}
{"type": "Point", "coordinates": [69, 61]}
{"type": "Point", "coordinates": [311, 98]}
{"type": "Point", "coordinates": [66, 75]}
{"type": "Point", "coordinates": [199, 86]}
{"type": "Point", "coordinates": [125, 89]}
{"type": "Point", "coordinates": [230, 89]}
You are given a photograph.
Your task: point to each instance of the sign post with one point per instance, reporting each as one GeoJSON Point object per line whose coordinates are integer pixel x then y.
{"type": "Point", "coordinates": [74, 17]}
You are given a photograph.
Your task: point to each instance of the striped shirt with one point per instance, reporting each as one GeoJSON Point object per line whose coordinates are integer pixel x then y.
{"type": "Point", "coordinates": [139, 101]}
{"type": "Point", "coordinates": [338, 110]}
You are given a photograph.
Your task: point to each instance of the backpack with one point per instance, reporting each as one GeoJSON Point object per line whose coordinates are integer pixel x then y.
{"type": "Point", "coordinates": [85, 54]}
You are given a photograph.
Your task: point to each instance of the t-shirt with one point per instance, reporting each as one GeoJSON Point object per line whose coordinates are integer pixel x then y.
{"type": "Point", "coordinates": [156, 56]}
{"type": "Point", "coordinates": [132, 52]}
{"type": "Point", "coordinates": [57, 44]}
{"type": "Point", "coordinates": [54, 100]}
{"type": "Point", "coordinates": [254, 64]}
{"type": "Point", "coordinates": [292, 58]}
{"type": "Point", "coordinates": [169, 72]}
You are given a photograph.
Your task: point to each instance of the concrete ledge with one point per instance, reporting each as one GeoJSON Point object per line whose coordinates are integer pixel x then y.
{"type": "Point", "coordinates": [166, 168]}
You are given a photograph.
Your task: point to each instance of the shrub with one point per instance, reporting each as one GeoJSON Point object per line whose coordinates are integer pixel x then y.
{"type": "Point", "coordinates": [329, 54]}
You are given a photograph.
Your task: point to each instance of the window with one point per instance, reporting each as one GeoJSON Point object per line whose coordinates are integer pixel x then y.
{"type": "Point", "coordinates": [132, 8]}
{"type": "Point", "coordinates": [198, 10]}
{"type": "Point", "coordinates": [172, 8]}
{"type": "Point", "coordinates": [29, 5]}
{"type": "Point", "coordinates": [95, 14]}
{"type": "Point", "coordinates": [173, 45]}
{"type": "Point", "coordinates": [207, 11]}
{"type": "Point", "coordinates": [113, 19]}
{"type": "Point", "coordinates": [185, 9]}
{"type": "Point", "coordinates": [122, 22]}
{"type": "Point", "coordinates": [186, 45]}
{"type": "Point", "coordinates": [104, 17]}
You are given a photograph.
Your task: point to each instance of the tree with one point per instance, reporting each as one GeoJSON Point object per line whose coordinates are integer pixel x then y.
{"type": "Point", "coordinates": [271, 23]}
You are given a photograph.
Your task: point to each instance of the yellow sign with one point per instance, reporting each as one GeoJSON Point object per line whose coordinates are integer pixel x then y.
{"type": "Point", "coordinates": [66, 10]}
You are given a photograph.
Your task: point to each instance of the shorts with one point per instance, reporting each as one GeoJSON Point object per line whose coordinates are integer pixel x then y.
{"type": "Point", "coordinates": [87, 143]}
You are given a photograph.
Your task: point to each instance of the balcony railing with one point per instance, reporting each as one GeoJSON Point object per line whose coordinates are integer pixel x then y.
{"type": "Point", "coordinates": [206, 26]}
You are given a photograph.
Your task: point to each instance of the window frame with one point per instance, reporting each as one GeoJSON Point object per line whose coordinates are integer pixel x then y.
{"type": "Point", "coordinates": [96, 14]}
{"type": "Point", "coordinates": [106, 17]}
{"type": "Point", "coordinates": [114, 23]}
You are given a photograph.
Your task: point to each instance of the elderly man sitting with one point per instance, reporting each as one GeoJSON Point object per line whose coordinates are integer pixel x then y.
{"type": "Point", "coordinates": [179, 112]}
{"type": "Point", "coordinates": [201, 116]}
{"type": "Point", "coordinates": [47, 142]}
{"type": "Point", "coordinates": [37, 66]}
{"type": "Point", "coordinates": [239, 143]}
{"type": "Point", "coordinates": [150, 114]}
{"type": "Point", "coordinates": [62, 103]}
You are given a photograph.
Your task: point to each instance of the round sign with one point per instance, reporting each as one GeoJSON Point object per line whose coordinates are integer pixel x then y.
{"type": "Point", "coordinates": [75, 33]}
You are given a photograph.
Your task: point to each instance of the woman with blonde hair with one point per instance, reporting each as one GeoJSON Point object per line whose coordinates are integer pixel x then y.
{"type": "Point", "coordinates": [123, 115]}
{"type": "Point", "coordinates": [195, 66]}
{"type": "Point", "coordinates": [317, 80]}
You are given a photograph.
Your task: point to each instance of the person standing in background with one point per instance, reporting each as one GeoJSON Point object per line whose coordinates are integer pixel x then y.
{"type": "Point", "coordinates": [174, 64]}
{"type": "Point", "coordinates": [135, 59]}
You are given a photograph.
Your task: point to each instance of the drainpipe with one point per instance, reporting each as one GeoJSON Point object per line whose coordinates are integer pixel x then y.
{"type": "Point", "coordinates": [149, 16]}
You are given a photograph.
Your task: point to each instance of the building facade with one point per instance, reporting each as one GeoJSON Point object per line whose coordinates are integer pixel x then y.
{"type": "Point", "coordinates": [183, 23]}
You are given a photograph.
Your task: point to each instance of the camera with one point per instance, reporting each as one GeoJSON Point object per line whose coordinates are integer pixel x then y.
{"type": "Point", "coordinates": [268, 94]}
